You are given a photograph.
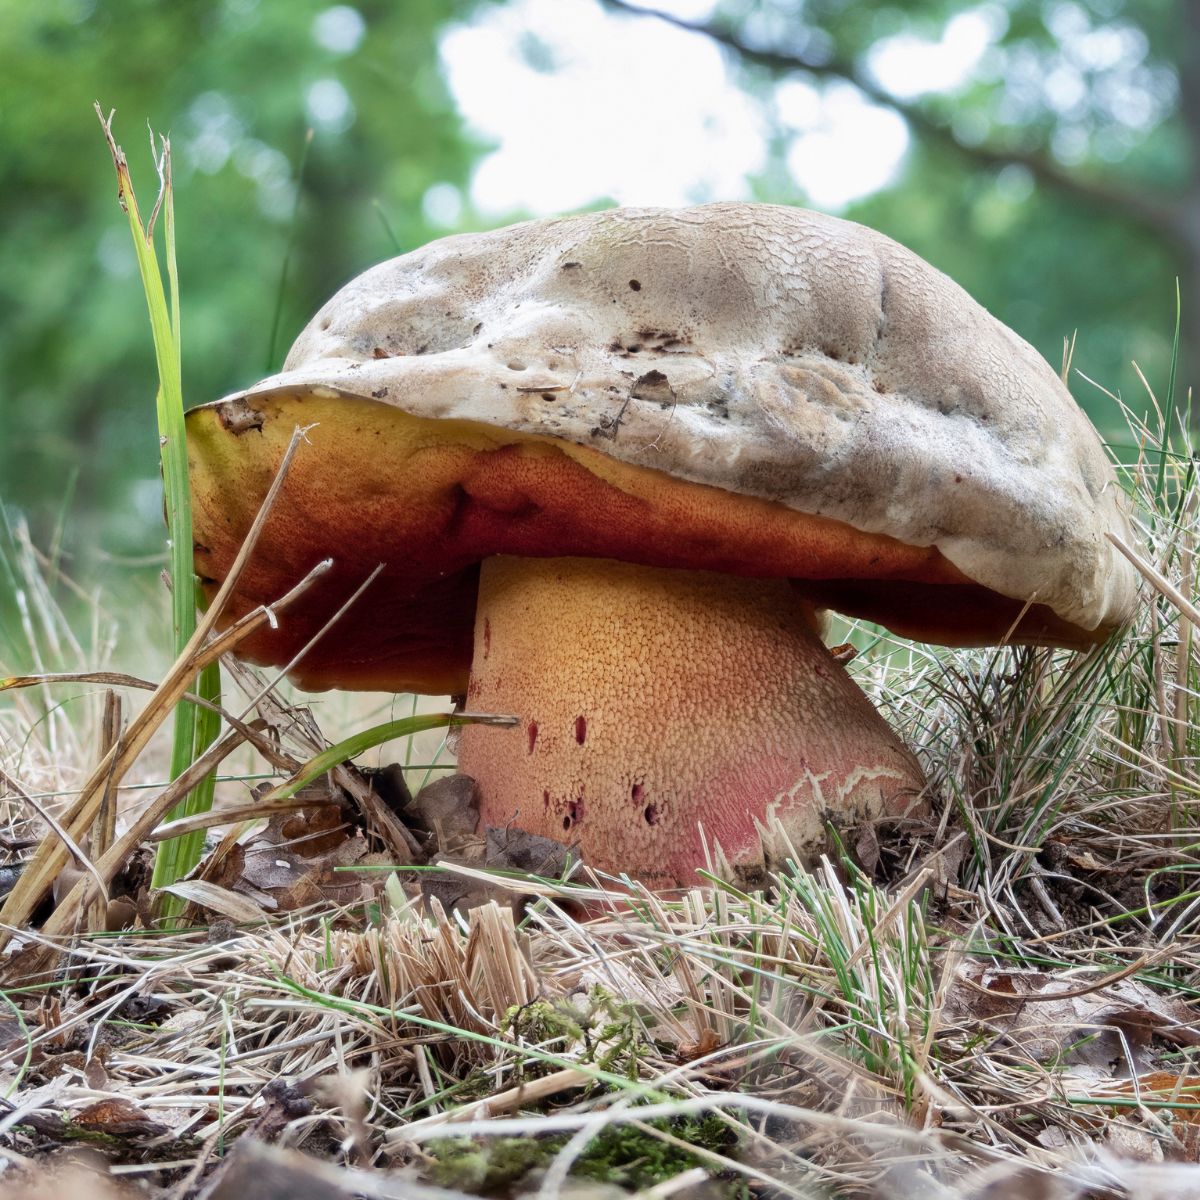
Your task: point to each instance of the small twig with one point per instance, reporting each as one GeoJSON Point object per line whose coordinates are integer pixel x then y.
{"type": "Point", "coordinates": [276, 757]}
{"type": "Point", "coordinates": [1087, 989]}
{"type": "Point", "coordinates": [251, 811]}
{"type": "Point", "coordinates": [1038, 886]}
{"type": "Point", "coordinates": [312, 641]}
{"type": "Point", "coordinates": [111, 678]}
{"type": "Point", "coordinates": [104, 831]}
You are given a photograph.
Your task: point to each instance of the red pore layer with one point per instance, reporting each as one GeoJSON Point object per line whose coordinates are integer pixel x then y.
{"type": "Point", "coordinates": [429, 500]}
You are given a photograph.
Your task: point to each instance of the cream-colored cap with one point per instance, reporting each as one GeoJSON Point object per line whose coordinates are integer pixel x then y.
{"type": "Point", "coordinates": [759, 349]}
{"type": "Point", "coordinates": [870, 412]}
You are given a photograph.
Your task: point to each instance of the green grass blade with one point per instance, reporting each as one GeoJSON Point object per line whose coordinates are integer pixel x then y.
{"type": "Point", "coordinates": [177, 856]}
{"type": "Point", "coordinates": [194, 729]}
{"type": "Point", "coordinates": [281, 291]}
{"type": "Point", "coordinates": [376, 735]}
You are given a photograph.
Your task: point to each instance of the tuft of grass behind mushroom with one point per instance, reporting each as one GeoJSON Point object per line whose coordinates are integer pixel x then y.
{"type": "Point", "coordinates": [80, 855]}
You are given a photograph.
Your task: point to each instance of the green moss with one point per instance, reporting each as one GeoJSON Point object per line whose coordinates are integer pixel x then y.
{"type": "Point", "coordinates": [488, 1166]}
{"type": "Point", "coordinates": [608, 1029]}
{"type": "Point", "coordinates": [621, 1154]}
{"type": "Point", "coordinates": [545, 1021]}
{"type": "Point", "coordinates": [604, 1031]}
{"type": "Point", "coordinates": [637, 1159]}
{"type": "Point", "coordinates": [571, 1021]}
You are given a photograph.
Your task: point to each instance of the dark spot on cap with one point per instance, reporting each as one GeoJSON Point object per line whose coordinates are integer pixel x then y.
{"type": "Point", "coordinates": [571, 266]}
{"type": "Point", "coordinates": [380, 352]}
{"type": "Point", "coordinates": [581, 730]}
{"type": "Point", "coordinates": [533, 732]}
{"type": "Point", "coordinates": [239, 416]}
{"type": "Point", "coordinates": [651, 814]}
{"type": "Point", "coordinates": [634, 285]}
{"type": "Point", "coordinates": [654, 385]}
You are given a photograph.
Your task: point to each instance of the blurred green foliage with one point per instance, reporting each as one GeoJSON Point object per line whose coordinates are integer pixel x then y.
{"type": "Point", "coordinates": [232, 82]}
{"type": "Point", "coordinates": [1058, 186]}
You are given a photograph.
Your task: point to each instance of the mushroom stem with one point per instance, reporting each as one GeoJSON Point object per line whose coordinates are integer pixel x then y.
{"type": "Point", "coordinates": [661, 709]}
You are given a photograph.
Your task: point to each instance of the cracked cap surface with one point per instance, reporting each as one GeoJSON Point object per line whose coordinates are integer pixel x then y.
{"type": "Point", "coordinates": [620, 376]}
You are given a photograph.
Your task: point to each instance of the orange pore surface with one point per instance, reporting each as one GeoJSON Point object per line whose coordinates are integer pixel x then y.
{"type": "Point", "coordinates": [430, 499]}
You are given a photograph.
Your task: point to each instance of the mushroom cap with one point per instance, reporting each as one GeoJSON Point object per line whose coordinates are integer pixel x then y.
{"type": "Point", "coordinates": [746, 388]}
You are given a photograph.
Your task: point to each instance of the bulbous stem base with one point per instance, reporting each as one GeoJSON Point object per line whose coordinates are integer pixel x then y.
{"type": "Point", "coordinates": [667, 712]}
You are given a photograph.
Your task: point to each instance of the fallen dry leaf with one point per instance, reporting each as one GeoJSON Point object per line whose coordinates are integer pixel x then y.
{"type": "Point", "coordinates": [1057, 1020]}
{"type": "Point", "coordinates": [296, 861]}
{"type": "Point", "coordinates": [117, 1118]}
{"type": "Point", "coordinates": [283, 1102]}
{"type": "Point", "coordinates": [95, 1072]}
{"type": "Point", "coordinates": [707, 1043]}
{"type": "Point", "coordinates": [448, 810]}
{"type": "Point", "coordinates": [515, 850]}
{"type": "Point", "coordinates": [1165, 1087]}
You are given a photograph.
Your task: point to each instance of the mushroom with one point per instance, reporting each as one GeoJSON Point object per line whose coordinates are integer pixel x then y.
{"type": "Point", "coordinates": [615, 466]}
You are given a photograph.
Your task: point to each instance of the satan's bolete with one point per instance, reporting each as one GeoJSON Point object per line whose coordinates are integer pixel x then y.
{"type": "Point", "coordinates": [615, 464]}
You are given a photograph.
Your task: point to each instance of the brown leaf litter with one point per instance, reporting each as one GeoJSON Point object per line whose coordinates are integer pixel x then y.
{"type": "Point", "coordinates": [1102, 1029]}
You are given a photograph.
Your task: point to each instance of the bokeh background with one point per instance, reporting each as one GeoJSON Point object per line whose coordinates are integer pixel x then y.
{"type": "Point", "coordinates": [1042, 152]}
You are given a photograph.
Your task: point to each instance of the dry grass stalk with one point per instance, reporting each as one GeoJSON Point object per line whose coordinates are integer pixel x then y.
{"type": "Point", "coordinates": [104, 832]}
{"type": "Point", "coordinates": [203, 648]}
